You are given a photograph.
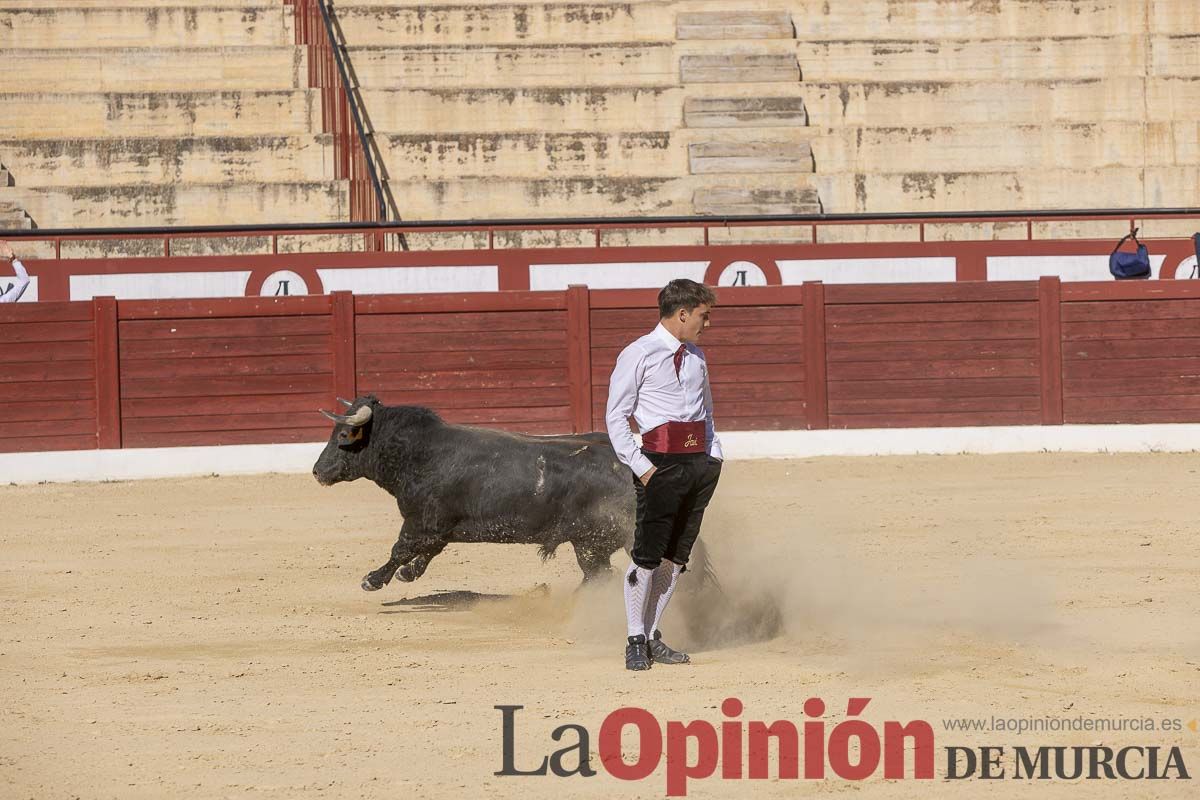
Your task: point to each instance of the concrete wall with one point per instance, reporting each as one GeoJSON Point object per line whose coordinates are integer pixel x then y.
{"type": "Point", "coordinates": [503, 108]}
{"type": "Point", "coordinates": [950, 105]}
{"type": "Point", "coordinates": [160, 113]}
{"type": "Point", "coordinates": [882, 105]}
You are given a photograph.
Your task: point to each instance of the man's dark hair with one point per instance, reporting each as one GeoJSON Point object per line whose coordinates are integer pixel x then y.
{"type": "Point", "coordinates": [683, 293]}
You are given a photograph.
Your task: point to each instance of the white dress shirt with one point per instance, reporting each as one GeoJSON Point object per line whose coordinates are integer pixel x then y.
{"type": "Point", "coordinates": [14, 292]}
{"type": "Point", "coordinates": [644, 386]}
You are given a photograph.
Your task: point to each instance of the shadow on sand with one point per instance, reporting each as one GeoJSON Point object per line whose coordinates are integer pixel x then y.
{"type": "Point", "coordinates": [451, 600]}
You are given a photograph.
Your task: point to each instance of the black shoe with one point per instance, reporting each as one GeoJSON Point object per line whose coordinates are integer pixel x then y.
{"type": "Point", "coordinates": [637, 655]}
{"type": "Point", "coordinates": [661, 652]}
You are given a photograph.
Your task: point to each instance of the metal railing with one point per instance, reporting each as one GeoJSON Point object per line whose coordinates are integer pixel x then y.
{"type": "Point", "coordinates": [340, 114]}
{"type": "Point", "coordinates": [806, 228]}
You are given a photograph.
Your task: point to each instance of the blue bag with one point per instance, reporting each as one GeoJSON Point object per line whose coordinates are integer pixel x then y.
{"type": "Point", "coordinates": [1130, 266]}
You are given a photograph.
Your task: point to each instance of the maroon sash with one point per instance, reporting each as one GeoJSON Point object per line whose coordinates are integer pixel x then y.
{"type": "Point", "coordinates": [675, 437]}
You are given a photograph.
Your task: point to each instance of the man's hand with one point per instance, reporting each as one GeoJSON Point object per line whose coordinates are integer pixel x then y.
{"type": "Point", "coordinates": [645, 479]}
{"type": "Point", "coordinates": [6, 251]}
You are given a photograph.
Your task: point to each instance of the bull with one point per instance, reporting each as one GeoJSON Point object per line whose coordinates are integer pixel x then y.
{"type": "Point", "coordinates": [455, 483]}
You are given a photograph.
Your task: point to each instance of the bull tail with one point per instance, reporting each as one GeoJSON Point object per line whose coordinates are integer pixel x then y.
{"type": "Point", "coordinates": [546, 551]}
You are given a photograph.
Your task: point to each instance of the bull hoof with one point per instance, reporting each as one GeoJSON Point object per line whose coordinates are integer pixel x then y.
{"type": "Point", "coordinates": [369, 585]}
{"type": "Point", "coordinates": [407, 573]}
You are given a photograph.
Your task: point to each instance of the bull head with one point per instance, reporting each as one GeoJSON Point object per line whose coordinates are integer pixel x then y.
{"type": "Point", "coordinates": [341, 459]}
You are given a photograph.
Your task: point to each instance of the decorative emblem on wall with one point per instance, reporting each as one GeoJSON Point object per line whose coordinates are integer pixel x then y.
{"type": "Point", "coordinates": [742, 273]}
{"type": "Point", "coordinates": [284, 283]}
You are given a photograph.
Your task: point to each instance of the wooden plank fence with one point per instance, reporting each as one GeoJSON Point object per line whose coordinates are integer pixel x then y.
{"type": "Point", "coordinates": [161, 373]}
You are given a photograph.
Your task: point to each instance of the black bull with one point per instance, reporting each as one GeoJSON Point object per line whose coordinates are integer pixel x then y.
{"type": "Point", "coordinates": [455, 483]}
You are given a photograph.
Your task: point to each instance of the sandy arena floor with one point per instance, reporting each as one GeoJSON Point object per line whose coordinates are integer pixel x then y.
{"type": "Point", "coordinates": [208, 637]}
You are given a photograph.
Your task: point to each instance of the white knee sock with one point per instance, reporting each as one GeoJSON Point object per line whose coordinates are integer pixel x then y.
{"type": "Point", "coordinates": [665, 578]}
{"type": "Point", "coordinates": [637, 592]}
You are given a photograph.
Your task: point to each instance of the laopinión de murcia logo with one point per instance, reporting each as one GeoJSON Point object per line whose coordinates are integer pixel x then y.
{"type": "Point", "coordinates": [854, 749]}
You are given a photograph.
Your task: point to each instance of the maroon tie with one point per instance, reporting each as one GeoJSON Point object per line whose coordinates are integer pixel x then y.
{"type": "Point", "coordinates": [679, 359]}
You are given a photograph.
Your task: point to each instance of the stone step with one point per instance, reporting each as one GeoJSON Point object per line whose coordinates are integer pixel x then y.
{"type": "Point", "coordinates": [965, 19]}
{"type": "Point", "coordinates": [500, 66]}
{"type": "Point", "coordinates": [1015, 102]}
{"type": "Point", "coordinates": [947, 60]}
{"type": "Point", "coordinates": [443, 24]}
{"type": "Point", "coordinates": [531, 155]}
{"type": "Point", "coordinates": [1176, 56]}
{"type": "Point", "coordinates": [183, 204]}
{"type": "Point", "coordinates": [1173, 18]}
{"type": "Point", "coordinates": [649, 154]}
{"type": "Point", "coordinates": [158, 26]}
{"type": "Point", "coordinates": [1173, 98]}
{"type": "Point", "coordinates": [860, 104]}
{"type": "Point", "coordinates": [490, 4]}
{"type": "Point", "coordinates": [752, 157]}
{"type": "Point", "coordinates": [886, 103]}
{"type": "Point", "coordinates": [155, 69]}
{"type": "Point", "coordinates": [16, 222]}
{"type": "Point", "coordinates": [207, 160]}
{"type": "Point", "coordinates": [730, 112]}
{"type": "Point", "coordinates": [68, 5]}
{"type": "Point", "coordinates": [14, 218]}
{"type": "Point", "coordinates": [499, 110]}
{"type": "Point", "coordinates": [31, 115]}
{"type": "Point", "coordinates": [734, 25]}
{"type": "Point", "coordinates": [479, 198]}
{"type": "Point", "coordinates": [735, 200]}
{"type": "Point", "coordinates": [1005, 148]}
{"type": "Point", "coordinates": [933, 192]}
{"type": "Point", "coordinates": [738, 68]}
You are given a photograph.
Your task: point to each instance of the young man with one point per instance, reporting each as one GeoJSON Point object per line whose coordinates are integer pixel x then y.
{"type": "Point", "coordinates": [12, 292]}
{"type": "Point", "coordinates": [661, 380]}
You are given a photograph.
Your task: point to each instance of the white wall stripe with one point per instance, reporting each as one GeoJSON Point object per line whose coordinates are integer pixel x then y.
{"type": "Point", "coordinates": [133, 464]}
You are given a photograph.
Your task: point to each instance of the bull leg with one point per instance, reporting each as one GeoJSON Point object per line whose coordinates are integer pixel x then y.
{"type": "Point", "coordinates": [411, 543]}
{"type": "Point", "coordinates": [416, 568]}
{"type": "Point", "coordinates": [593, 559]}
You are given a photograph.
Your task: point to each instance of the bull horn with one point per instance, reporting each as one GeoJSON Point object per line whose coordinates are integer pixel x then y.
{"type": "Point", "coordinates": [355, 420]}
{"type": "Point", "coordinates": [345, 402]}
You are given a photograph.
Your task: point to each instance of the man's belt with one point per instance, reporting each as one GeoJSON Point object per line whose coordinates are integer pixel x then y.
{"type": "Point", "coordinates": [675, 437]}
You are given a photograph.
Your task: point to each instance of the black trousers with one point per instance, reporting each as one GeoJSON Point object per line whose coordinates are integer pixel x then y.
{"type": "Point", "coordinates": [671, 507]}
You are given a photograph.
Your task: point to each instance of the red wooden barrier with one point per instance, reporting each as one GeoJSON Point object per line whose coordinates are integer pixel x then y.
{"type": "Point", "coordinates": [755, 352]}
{"type": "Point", "coordinates": [1131, 353]}
{"type": "Point", "coordinates": [920, 355]}
{"type": "Point", "coordinates": [144, 373]}
{"type": "Point", "coordinates": [230, 371]}
{"type": "Point", "coordinates": [488, 359]}
{"type": "Point", "coordinates": [47, 377]}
